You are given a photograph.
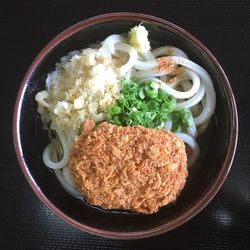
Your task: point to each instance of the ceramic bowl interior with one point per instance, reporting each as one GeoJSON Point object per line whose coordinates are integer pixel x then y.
{"type": "Point", "coordinates": [205, 177]}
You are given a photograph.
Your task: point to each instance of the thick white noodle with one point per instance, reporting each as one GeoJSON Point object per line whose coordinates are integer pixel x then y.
{"type": "Point", "coordinates": [187, 75]}
{"type": "Point", "coordinates": [145, 65]}
{"type": "Point", "coordinates": [193, 145]}
{"type": "Point", "coordinates": [209, 108]}
{"type": "Point", "coordinates": [108, 46]}
{"type": "Point", "coordinates": [64, 182]}
{"type": "Point", "coordinates": [124, 47]}
{"type": "Point", "coordinates": [149, 62]}
{"type": "Point", "coordinates": [169, 51]}
{"type": "Point", "coordinates": [129, 74]}
{"type": "Point", "coordinates": [149, 72]}
{"type": "Point", "coordinates": [192, 101]}
{"type": "Point", "coordinates": [48, 152]}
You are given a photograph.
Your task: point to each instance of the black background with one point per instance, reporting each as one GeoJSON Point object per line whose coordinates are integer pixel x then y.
{"type": "Point", "coordinates": [26, 27]}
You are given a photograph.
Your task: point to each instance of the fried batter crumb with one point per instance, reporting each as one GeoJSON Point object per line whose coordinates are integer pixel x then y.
{"type": "Point", "coordinates": [132, 168]}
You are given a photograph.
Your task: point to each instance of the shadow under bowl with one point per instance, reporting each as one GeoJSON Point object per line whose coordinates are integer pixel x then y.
{"type": "Point", "coordinates": [218, 143]}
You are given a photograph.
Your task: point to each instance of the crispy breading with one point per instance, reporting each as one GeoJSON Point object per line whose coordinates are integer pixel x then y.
{"type": "Point", "coordinates": [134, 168]}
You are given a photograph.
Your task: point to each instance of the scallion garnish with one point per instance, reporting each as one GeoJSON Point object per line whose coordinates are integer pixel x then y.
{"type": "Point", "coordinates": [147, 105]}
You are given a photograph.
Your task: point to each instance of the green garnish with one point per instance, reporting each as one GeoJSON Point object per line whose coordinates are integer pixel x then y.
{"type": "Point", "coordinates": [147, 105]}
{"type": "Point", "coordinates": [141, 104]}
{"type": "Point", "coordinates": [115, 110]}
{"type": "Point", "coordinates": [180, 119]}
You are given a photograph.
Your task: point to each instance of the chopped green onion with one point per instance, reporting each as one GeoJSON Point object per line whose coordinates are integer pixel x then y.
{"type": "Point", "coordinates": [115, 110]}
{"type": "Point", "coordinates": [180, 120]}
{"type": "Point", "coordinates": [141, 94]}
{"type": "Point", "coordinates": [147, 105]}
{"type": "Point", "coordinates": [152, 93]}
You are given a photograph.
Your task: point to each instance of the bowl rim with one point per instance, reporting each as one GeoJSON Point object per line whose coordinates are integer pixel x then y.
{"type": "Point", "coordinates": [212, 190]}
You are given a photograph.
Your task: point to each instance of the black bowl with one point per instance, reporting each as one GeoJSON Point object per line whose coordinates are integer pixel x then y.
{"type": "Point", "coordinates": [218, 143]}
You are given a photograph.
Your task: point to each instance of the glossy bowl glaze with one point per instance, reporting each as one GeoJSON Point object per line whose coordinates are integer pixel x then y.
{"type": "Point", "coordinates": [218, 143]}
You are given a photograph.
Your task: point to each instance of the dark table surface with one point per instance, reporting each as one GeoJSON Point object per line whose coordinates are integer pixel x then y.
{"type": "Point", "coordinates": [26, 26]}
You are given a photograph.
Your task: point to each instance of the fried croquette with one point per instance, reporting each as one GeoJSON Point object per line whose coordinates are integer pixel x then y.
{"type": "Point", "coordinates": [132, 168]}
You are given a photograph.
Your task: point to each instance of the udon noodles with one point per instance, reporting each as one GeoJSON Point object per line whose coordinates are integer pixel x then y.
{"type": "Point", "coordinates": [167, 66]}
